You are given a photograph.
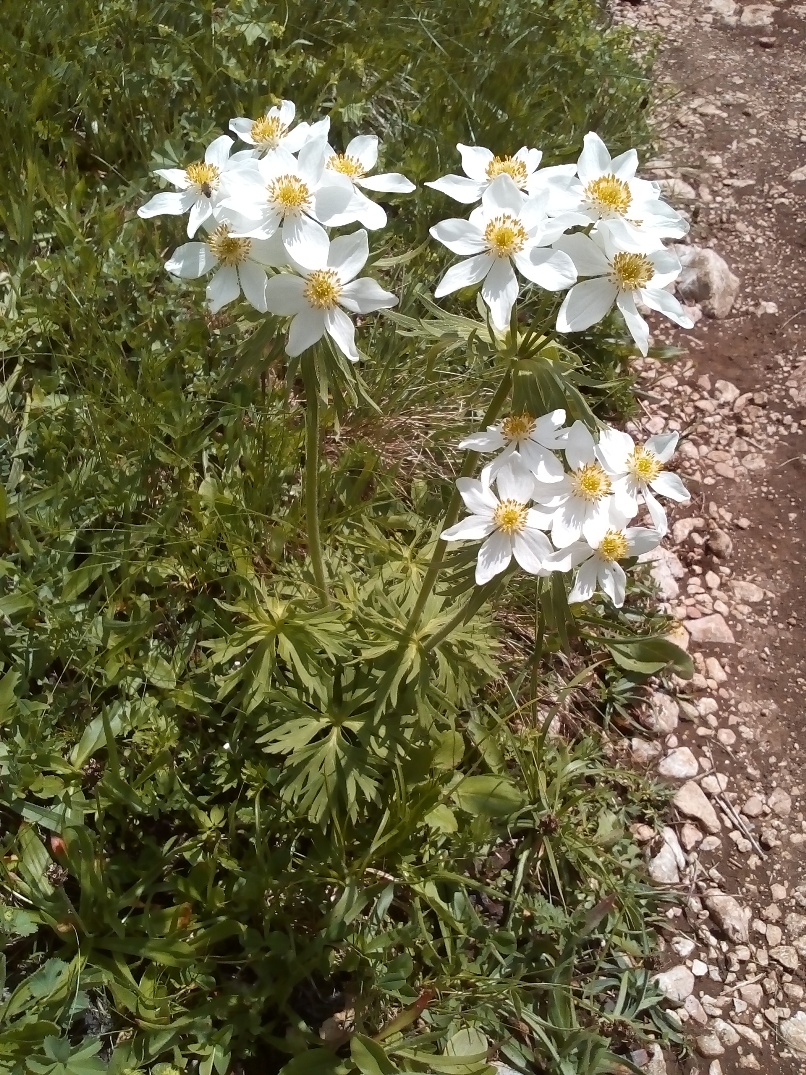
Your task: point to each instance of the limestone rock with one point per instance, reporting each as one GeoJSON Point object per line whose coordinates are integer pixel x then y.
{"type": "Point", "coordinates": [666, 570]}
{"type": "Point", "coordinates": [793, 1031]}
{"type": "Point", "coordinates": [746, 592]}
{"type": "Point", "coordinates": [730, 915]}
{"type": "Point", "coordinates": [710, 629]}
{"type": "Point", "coordinates": [691, 801]}
{"type": "Point", "coordinates": [677, 983]}
{"type": "Point", "coordinates": [757, 15]}
{"type": "Point", "coordinates": [662, 715]}
{"type": "Point", "coordinates": [780, 802]}
{"type": "Point", "coordinates": [707, 280]}
{"type": "Point", "coordinates": [679, 764]}
{"type": "Point", "coordinates": [720, 544]}
{"type": "Point", "coordinates": [709, 1046]}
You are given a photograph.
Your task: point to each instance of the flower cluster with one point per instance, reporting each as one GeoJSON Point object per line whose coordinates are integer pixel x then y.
{"type": "Point", "coordinates": [613, 254]}
{"type": "Point", "coordinates": [553, 482]}
{"type": "Point", "coordinates": [265, 211]}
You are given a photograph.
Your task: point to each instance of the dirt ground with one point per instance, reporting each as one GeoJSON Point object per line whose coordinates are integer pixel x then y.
{"type": "Point", "coordinates": [731, 111]}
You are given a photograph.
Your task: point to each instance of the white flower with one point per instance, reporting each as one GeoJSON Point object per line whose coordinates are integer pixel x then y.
{"type": "Point", "coordinates": [240, 264]}
{"type": "Point", "coordinates": [511, 527]}
{"type": "Point", "coordinates": [622, 277]}
{"type": "Point", "coordinates": [629, 208]}
{"type": "Point", "coordinates": [316, 297]}
{"type": "Point", "coordinates": [599, 562]}
{"type": "Point", "coordinates": [358, 159]}
{"type": "Point", "coordinates": [506, 228]}
{"type": "Point", "coordinates": [481, 167]}
{"type": "Point", "coordinates": [529, 438]}
{"type": "Point", "coordinates": [274, 130]}
{"type": "Point", "coordinates": [637, 470]}
{"type": "Point", "coordinates": [293, 195]}
{"type": "Point", "coordinates": [585, 500]}
{"type": "Point", "coordinates": [199, 186]}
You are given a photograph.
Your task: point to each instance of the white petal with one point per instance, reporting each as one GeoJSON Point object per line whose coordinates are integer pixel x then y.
{"type": "Point", "coordinates": [459, 236]}
{"type": "Point", "coordinates": [278, 162]}
{"type": "Point", "coordinates": [223, 288]}
{"type": "Point", "coordinates": [284, 295]}
{"type": "Point", "coordinates": [475, 161]}
{"type": "Point", "coordinates": [500, 289]}
{"type": "Point", "coordinates": [613, 582]}
{"type": "Point", "coordinates": [539, 518]}
{"type": "Point", "coordinates": [365, 211]}
{"type": "Point", "coordinates": [200, 211]}
{"type": "Point", "coordinates": [585, 584]}
{"type": "Point", "coordinates": [502, 196]}
{"type": "Point", "coordinates": [191, 261]}
{"type": "Point", "coordinates": [490, 441]}
{"type": "Point", "coordinates": [332, 201]}
{"type": "Point", "coordinates": [641, 540]}
{"type": "Point", "coordinates": [253, 284]}
{"type": "Point", "coordinates": [299, 137]}
{"type": "Point", "coordinates": [494, 557]}
{"type": "Point", "coordinates": [514, 482]}
{"type": "Point", "coordinates": [269, 251]}
{"type": "Point", "coordinates": [285, 112]}
{"type": "Point", "coordinates": [637, 327]}
{"type": "Point", "coordinates": [306, 329]}
{"type": "Point", "coordinates": [365, 295]}
{"type": "Point", "coordinates": [594, 159]}
{"type": "Point", "coordinates": [306, 241]}
{"type": "Point", "coordinates": [579, 446]}
{"type": "Point", "coordinates": [478, 497]}
{"type": "Point", "coordinates": [465, 273]}
{"type": "Point", "coordinates": [387, 182]}
{"type": "Point", "coordinates": [342, 331]}
{"type": "Point", "coordinates": [663, 445]}
{"type": "Point", "coordinates": [457, 187]}
{"type": "Point", "coordinates": [549, 269]}
{"type": "Point", "coordinates": [668, 484]}
{"type": "Point", "coordinates": [587, 256]}
{"type": "Point", "coordinates": [585, 304]}
{"type": "Point", "coordinates": [547, 429]}
{"type": "Point", "coordinates": [168, 202]}
{"type": "Point", "coordinates": [625, 165]}
{"type": "Point", "coordinates": [570, 557]}
{"type": "Point", "coordinates": [348, 254]}
{"type": "Point", "coordinates": [566, 526]}
{"type": "Point", "coordinates": [243, 128]}
{"type": "Point", "coordinates": [365, 148]}
{"type": "Point", "coordinates": [177, 177]}
{"type": "Point", "coordinates": [218, 151]}
{"type": "Point", "coordinates": [663, 302]}
{"type": "Point", "coordinates": [311, 164]}
{"type": "Point", "coordinates": [657, 512]}
{"type": "Point", "coordinates": [540, 461]}
{"type": "Point", "coordinates": [599, 518]}
{"type": "Point", "coordinates": [614, 449]}
{"type": "Point", "coordinates": [473, 528]}
{"type": "Point", "coordinates": [530, 549]}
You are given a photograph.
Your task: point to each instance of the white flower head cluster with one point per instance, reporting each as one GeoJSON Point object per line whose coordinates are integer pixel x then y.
{"type": "Point", "coordinates": [592, 228]}
{"type": "Point", "coordinates": [556, 499]}
{"type": "Point", "coordinates": [266, 211]}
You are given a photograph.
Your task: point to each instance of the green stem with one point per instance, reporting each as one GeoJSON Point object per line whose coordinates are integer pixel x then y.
{"type": "Point", "coordinates": [468, 466]}
{"type": "Point", "coordinates": [312, 437]}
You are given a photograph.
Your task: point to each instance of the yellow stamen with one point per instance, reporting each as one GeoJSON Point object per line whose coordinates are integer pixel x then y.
{"type": "Point", "coordinates": [608, 196]}
{"type": "Point", "coordinates": [228, 249]}
{"type": "Point", "coordinates": [346, 165]}
{"type": "Point", "coordinates": [644, 465]}
{"type": "Point", "coordinates": [268, 131]}
{"type": "Point", "coordinates": [631, 271]}
{"type": "Point", "coordinates": [322, 289]}
{"type": "Point", "coordinates": [591, 483]}
{"type": "Point", "coordinates": [614, 545]}
{"type": "Point", "coordinates": [505, 236]}
{"type": "Point", "coordinates": [203, 177]}
{"type": "Point", "coordinates": [288, 194]}
{"type": "Point", "coordinates": [510, 516]}
{"type": "Point", "coordinates": [517, 426]}
{"type": "Point", "coordinates": [514, 167]}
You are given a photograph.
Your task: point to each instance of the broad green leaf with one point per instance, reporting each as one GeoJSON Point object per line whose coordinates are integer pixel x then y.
{"type": "Point", "coordinates": [488, 796]}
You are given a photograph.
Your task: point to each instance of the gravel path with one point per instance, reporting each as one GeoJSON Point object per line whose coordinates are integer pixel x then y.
{"type": "Point", "coordinates": [732, 112]}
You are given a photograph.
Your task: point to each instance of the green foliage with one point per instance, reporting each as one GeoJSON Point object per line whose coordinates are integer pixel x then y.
{"type": "Point", "coordinates": [229, 815]}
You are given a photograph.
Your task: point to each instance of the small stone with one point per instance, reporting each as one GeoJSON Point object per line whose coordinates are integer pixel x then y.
{"type": "Point", "coordinates": [698, 968]}
{"type": "Point", "coordinates": [757, 15]}
{"type": "Point", "coordinates": [709, 1045]}
{"type": "Point", "coordinates": [725, 1032]}
{"type": "Point", "coordinates": [684, 946]}
{"type": "Point", "coordinates": [677, 983]}
{"type": "Point", "coordinates": [726, 737]}
{"type": "Point", "coordinates": [778, 892]}
{"type": "Point", "coordinates": [726, 392]}
{"type": "Point", "coordinates": [690, 800]}
{"type": "Point", "coordinates": [749, 1062]}
{"type": "Point", "coordinates": [684, 527]}
{"type": "Point", "coordinates": [714, 783]}
{"type": "Point", "coordinates": [720, 544]}
{"type": "Point", "coordinates": [799, 175]}
{"type": "Point", "coordinates": [715, 670]}
{"type": "Point", "coordinates": [690, 836]}
{"type": "Point", "coordinates": [793, 1031]}
{"type": "Point", "coordinates": [679, 764]}
{"type": "Point", "coordinates": [780, 802]}
{"type": "Point", "coordinates": [663, 867]}
{"type": "Point", "coordinates": [666, 569]}
{"type": "Point", "coordinates": [710, 629]}
{"type": "Point", "coordinates": [711, 843]}
{"type": "Point", "coordinates": [730, 915]}
{"type": "Point", "coordinates": [795, 924]}
{"type": "Point", "coordinates": [712, 580]}
{"type": "Point", "coordinates": [754, 807]}
{"type": "Point", "coordinates": [707, 280]}
{"type": "Point", "coordinates": [752, 994]}
{"type": "Point", "coordinates": [786, 955]}
{"type": "Point", "coordinates": [746, 592]}
{"type": "Point", "coordinates": [643, 752]}
{"type": "Point", "coordinates": [663, 714]}
{"type": "Point", "coordinates": [774, 934]}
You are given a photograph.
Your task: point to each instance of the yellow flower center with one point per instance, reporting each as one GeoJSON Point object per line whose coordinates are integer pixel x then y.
{"type": "Point", "coordinates": [514, 167]}
{"type": "Point", "coordinates": [608, 196]}
{"type": "Point", "coordinates": [228, 249]}
{"type": "Point", "coordinates": [288, 194]}
{"type": "Point", "coordinates": [505, 236]}
{"type": "Point", "coordinates": [322, 289]}
{"type": "Point", "coordinates": [591, 483]}
{"type": "Point", "coordinates": [613, 545]}
{"type": "Point", "coordinates": [510, 516]}
{"type": "Point", "coordinates": [517, 426]}
{"type": "Point", "coordinates": [644, 465]}
{"type": "Point", "coordinates": [203, 177]}
{"type": "Point", "coordinates": [268, 131]}
{"type": "Point", "coordinates": [631, 271]}
{"type": "Point", "coordinates": [346, 165]}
